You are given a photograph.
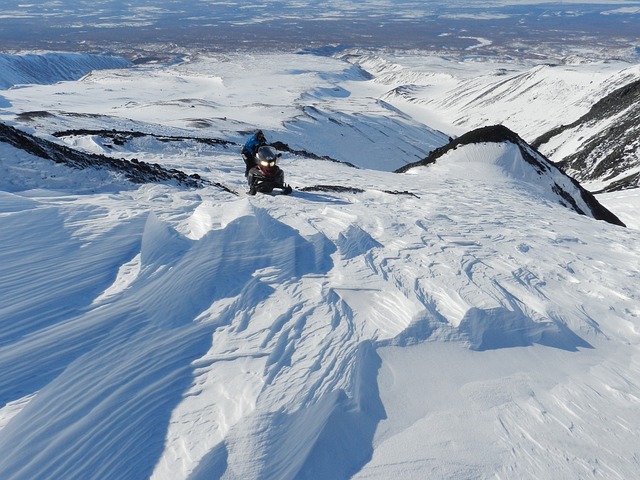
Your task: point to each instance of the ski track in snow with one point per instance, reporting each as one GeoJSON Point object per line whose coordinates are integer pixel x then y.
{"type": "Point", "coordinates": [477, 328]}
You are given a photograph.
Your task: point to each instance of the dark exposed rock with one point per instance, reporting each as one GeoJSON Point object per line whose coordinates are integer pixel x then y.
{"type": "Point", "coordinates": [331, 188]}
{"type": "Point", "coordinates": [283, 147]}
{"type": "Point", "coordinates": [30, 116]}
{"type": "Point", "coordinates": [343, 189]}
{"type": "Point", "coordinates": [631, 181]}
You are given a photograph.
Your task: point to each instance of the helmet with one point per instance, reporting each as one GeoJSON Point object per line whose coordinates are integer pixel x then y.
{"type": "Point", "coordinates": [266, 157]}
{"type": "Point", "coordinates": [260, 135]}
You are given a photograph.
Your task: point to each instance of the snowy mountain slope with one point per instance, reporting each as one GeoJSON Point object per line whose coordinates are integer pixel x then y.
{"type": "Point", "coordinates": [52, 67]}
{"type": "Point", "coordinates": [520, 100]}
{"type": "Point", "coordinates": [461, 95]}
{"type": "Point", "coordinates": [591, 129]}
{"type": "Point", "coordinates": [135, 171]}
{"type": "Point", "coordinates": [264, 326]}
{"type": "Point", "coordinates": [535, 170]}
{"type": "Point", "coordinates": [609, 152]}
{"type": "Point", "coordinates": [318, 104]}
{"type": "Point", "coordinates": [473, 327]}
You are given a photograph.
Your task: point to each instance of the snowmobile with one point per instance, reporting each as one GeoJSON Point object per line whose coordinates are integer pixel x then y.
{"type": "Point", "coordinates": [266, 175]}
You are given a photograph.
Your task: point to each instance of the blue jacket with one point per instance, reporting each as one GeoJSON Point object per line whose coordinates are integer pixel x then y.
{"type": "Point", "coordinates": [252, 145]}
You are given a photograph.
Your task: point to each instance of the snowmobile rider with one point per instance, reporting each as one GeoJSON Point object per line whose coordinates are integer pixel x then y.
{"type": "Point", "coordinates": [266, 174]}
{"type": "Point", "coordinates": [250, 150]}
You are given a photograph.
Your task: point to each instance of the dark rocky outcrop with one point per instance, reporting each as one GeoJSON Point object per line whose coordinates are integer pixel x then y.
{"type": "Point", "coordinates": [343, 189]}
{"type": "Point", "coordinates": [120, 137]}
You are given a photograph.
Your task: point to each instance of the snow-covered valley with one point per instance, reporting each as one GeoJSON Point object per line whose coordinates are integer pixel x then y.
{"type": "Point", "coordinates": [459, 320]}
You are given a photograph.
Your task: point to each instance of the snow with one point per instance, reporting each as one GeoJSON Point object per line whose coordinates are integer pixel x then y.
{"type": "Point", "coordinates": [470, 327]}
{"type": "Point", "coordinates": [530, 98]}
{"type": "Point", "coordinates": [51, 67]}
{"type": "Point", "coordinates": [625, 204]}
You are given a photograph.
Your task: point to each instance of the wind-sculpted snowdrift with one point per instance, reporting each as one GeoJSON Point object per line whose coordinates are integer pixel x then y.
{"type": "Point", "coordinates": [141, 336]}
{"type": "Point", "coordinates": [249, 339]}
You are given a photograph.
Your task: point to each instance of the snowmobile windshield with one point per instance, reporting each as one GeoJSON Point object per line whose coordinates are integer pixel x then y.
{"type": "Point", "coordinates": [268, 155]}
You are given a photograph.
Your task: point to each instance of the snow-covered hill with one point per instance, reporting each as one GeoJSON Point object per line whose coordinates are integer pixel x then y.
{"type": "Point", "coordinates": [452, 321]}
{"type": "Point", "coordinates": [519, 160]}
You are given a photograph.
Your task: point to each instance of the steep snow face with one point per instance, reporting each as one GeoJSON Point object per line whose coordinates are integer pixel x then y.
{"type": "Point", "coordinates": [607, 155]}
{"type": "Point", "coordinates": [505, 160]}
{"type": "Point", "coordinates": [52, 67]}
{"type": "Point", "coordinates": [463, 326]}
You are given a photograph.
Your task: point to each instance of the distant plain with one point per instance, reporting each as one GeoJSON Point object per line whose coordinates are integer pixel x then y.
{"type": "Point", "coordinates": [466, 29]}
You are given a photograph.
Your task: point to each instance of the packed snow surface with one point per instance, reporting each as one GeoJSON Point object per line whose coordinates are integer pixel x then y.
{"type": "Point", "coordinates": [451, 322]}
